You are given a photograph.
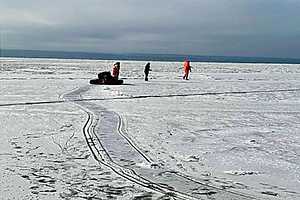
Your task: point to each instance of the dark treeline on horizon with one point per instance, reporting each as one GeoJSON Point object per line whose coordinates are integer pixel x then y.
{"type": "Point", "coordinates": [141, 57]}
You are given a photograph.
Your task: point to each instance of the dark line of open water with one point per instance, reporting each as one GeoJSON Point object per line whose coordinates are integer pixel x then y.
{"type": "Point", "coordinates": [142, 57]}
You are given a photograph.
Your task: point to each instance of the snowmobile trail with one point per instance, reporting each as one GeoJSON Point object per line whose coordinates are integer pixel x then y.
{"type": "Point", "coordinates": [111, 146]}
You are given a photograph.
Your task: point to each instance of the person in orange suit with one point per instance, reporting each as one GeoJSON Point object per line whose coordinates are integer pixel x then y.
{"type": "Point", "coordinates": [186, 69]}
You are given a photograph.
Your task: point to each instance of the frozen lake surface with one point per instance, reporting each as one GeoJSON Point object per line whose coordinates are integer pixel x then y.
{"type": "Point", "coordinates": [230, 132]}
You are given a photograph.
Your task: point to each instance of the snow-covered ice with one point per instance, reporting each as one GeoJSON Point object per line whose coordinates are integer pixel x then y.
{"type": "Point", "coordinates": [230, 132]}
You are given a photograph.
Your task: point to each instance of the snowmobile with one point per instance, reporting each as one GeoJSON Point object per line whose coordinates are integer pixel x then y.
{"type": "Point", "coordinates": [105, 78]}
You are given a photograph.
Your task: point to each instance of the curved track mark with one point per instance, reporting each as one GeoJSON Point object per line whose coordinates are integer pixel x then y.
{"type": "Point", "coordinates": [107, 139]}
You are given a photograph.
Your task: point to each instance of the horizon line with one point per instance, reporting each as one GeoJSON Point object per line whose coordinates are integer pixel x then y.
{"type": "Point", "coordinates": [33, 53]}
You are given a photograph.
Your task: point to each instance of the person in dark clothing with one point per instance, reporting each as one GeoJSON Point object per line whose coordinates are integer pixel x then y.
{"type": "Point", "coordinates": [104, 77]}
{"type": "Point", "coordinates": [146, 71]}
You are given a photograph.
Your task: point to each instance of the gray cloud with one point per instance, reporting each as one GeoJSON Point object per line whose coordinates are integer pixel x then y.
{"type": "Point", "coordinates": [206, 27]}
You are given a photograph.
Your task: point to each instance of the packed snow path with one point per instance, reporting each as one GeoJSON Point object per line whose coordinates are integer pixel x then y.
{"type": "Point", "coordinates": [110, 145]}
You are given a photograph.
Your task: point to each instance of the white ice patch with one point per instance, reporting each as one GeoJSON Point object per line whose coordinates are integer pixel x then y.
{"type": "Point", "coordinates": [242, 173]}
{"type": "Point", "coordinates": [143, 165]}
{"type": "Point", "coordinates": [192, 158]}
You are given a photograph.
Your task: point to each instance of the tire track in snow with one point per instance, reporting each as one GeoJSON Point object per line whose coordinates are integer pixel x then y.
{"type": "Point", "coordinates": [108, 141]}
{"type": "Point", "coordinates": [101, 156]}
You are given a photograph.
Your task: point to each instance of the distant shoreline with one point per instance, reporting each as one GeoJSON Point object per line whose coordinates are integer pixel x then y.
{"type": "Point", "coordinates": [142, 57]}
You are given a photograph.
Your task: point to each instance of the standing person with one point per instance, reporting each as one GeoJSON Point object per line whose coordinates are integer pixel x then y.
{"type": "Point", "coordinates": [116, 70]}
{"type": "Point", "coordinates": [186, 69]}
{"type": "Point", "coordinates": [146, 71]}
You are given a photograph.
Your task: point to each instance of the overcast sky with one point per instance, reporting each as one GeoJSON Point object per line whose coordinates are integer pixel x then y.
{"type": "Point", "coordinates": [265, 28]}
